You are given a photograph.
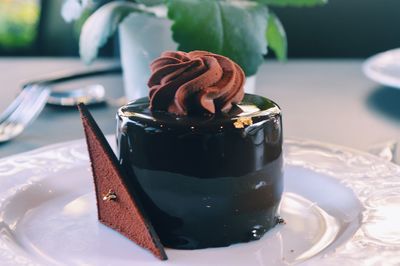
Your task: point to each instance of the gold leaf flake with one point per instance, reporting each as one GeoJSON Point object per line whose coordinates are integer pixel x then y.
{"type": "Point", "coordinates": [241, 122]}
{"type": "Point", "coordinates": [110, 196]}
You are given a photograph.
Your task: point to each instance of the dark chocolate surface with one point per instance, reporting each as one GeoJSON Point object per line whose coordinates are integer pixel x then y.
{"type": "Point", "coordinates": [203, 181]}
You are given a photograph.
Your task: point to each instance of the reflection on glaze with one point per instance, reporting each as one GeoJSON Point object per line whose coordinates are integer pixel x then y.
{"type": "Point", "coordinates": [199, 177]}
{"type": "Point", "coordinates": [200, 209]}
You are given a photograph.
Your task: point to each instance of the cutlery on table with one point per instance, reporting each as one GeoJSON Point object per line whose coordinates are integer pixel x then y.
{"type": "Point", "coordinates": [34, 96]}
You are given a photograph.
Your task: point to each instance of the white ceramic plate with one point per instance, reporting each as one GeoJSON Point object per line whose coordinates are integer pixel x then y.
{"type": "Point", "coordinates": [384, 68]}
{"type": "Point", "coordinates": [341, 207]}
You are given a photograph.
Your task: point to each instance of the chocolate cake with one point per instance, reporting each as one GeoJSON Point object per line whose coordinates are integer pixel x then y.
{"type": "Point", "coordinates": [117, 204]}
{"type": "Point", "coordinates": [204, 158]}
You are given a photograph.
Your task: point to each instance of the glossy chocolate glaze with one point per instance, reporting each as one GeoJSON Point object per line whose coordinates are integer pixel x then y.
{"type": "Point", "coordinates": [203, 181]}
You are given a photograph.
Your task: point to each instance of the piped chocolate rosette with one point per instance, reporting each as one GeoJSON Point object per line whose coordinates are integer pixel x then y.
{"type": "Point", "coordinates": [195, 83]}
{"type": "Point", "coordinates": [188, 181]}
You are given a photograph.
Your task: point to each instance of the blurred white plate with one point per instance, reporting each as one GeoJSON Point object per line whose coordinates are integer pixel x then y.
{"type": "Point", "coordinates": [384, 68]}
{"type": "Point", "coordinates": [340, 207]}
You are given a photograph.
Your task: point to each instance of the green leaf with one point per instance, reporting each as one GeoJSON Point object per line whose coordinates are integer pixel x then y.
{"type": "Point", "coordinates": [150, 2]}
{"type": "Point", "coordinates": [101, 25]}
{"type": "Point", "coordinates": [232, 28]}
{"type": "Point", "coordinates": [72, 10]}
{"type": "Point", "coordinates": [294, 3]}
{"type": "Point", "coordinates": [276, 37]}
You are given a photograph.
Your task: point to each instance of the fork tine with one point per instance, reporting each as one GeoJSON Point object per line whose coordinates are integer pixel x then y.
{"type": "Point", "coordinates": [31, 107]}
{"type": "Point", "coordinates": [20, 118]}
{"type": "Point", "coordinates": [9, 126]}
{"type": "Point", "coordinates": [24, 105]}
{"type": "Point", "coordinates": [37, 106]}
{"type": "Point", "coordinates": [28, 109]}
{"type": "Point", "coordinates": [15, 103]}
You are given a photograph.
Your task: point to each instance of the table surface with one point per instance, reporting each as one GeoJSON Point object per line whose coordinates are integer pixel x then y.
{"type": "Point", "coordinates": [326, 100]}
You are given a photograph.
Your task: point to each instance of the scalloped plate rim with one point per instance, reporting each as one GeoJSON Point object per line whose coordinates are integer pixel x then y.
{"type": "Point", "coordinates": [344, 256]}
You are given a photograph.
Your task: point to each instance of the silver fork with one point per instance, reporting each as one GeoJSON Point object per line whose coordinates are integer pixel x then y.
{"type": "Point", "coordinates": [32, 99]}
{"type": "Point", "coordinates": [23, 110]}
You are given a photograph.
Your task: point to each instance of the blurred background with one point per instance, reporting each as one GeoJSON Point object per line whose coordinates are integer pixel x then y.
{"type": "Point", "coordinates": [340, 29]}
{"type": "Point", "coordinates": [37, 28]}
{"type": "Point", "coordinates": [36, 41]}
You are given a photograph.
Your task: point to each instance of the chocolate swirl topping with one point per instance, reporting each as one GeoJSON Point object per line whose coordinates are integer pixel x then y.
{"type": "Point", "coordinates": [195, 83]}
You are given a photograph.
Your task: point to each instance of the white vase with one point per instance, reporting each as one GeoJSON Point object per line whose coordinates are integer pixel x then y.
{"type": "Point", "coordinates": [142, 39]}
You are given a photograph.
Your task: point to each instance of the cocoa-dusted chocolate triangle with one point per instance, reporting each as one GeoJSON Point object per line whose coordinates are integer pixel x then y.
{"type": "Point", "coordinates": [117, 207]}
